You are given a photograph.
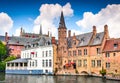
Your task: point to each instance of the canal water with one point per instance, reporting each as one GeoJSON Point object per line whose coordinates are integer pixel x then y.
{"type": "Point", "coordinates": [51, 79]}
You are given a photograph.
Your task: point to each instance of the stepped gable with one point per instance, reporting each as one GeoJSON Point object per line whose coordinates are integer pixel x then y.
{"type": "Point", "coordinates": [83, 39]}
{"type": "Point", "coordinates": [19, 40]}
{"type": "Point", "coordinates": [97, 40]}
{"type": "Point", "coordinates": [112, 45]}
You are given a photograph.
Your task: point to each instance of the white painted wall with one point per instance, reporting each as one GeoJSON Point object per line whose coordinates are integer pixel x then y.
{"type": "Point", "coordinates": [37, 59]}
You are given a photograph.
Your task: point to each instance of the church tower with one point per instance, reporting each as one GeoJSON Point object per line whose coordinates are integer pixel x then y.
{"type": "Point", "coordinates": [62, 42]}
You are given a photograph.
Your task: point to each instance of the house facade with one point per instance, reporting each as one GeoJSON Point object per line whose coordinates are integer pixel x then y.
{"type": "Point", "coordinates": [37, 57]}
{"type": "Point", "coordinates": [111, 56]}
{"type": "Point", "coordinates": [81, 53]}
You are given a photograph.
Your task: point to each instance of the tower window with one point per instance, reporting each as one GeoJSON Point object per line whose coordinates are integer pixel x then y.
{"type": "Point", "coordinates": [115, 45]}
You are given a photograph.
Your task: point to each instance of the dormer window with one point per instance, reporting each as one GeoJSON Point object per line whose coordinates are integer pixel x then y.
{"type": "Point", "coordinates": [74, 42]}
{"type": "Point", "coordinates": [97, 37]}
{"type": "Point", "coordinates": [115, 45]}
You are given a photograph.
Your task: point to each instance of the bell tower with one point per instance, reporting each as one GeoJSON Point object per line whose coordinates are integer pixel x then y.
{"type": "Point", "coordinates": [62, 42]}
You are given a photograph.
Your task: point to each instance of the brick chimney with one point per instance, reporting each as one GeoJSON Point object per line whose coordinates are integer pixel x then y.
{"type": "Point", "coordinates": [69, 33]}
{"type": "Point", "coordinates": [6, 36]}
{"type": "Point", "coordinates": [21, 31]}
{"type": "Point", "coordinates": [106, 32]}
{"type": "Point", "coordinates": [53, 40]}
{"type": "Point", "coordinates": [48, 34]}
{"type": "Point", "coordinates": [94, 30]}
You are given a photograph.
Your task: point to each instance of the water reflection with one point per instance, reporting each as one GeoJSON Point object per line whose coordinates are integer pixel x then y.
{"type": "Point", "coordinates": [52, 79]}
{"type": "Point", "coordinates": [2, 76]}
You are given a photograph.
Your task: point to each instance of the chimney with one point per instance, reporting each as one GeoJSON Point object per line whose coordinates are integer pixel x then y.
{"type": "Point", "coordinates": [6, 36]}
{"type": "Point", "coordinates": [48, 34]}
{"type": "Point", "coordinates": [94, 30]}
{"type": "Point", "coordinates": [21, 31]}
{"type": "Point", "coordinates": [69, 33]}
{"type": "Point", "coordinates": [106, 32]}
{"type": "Point", "coordinates": [53, 40]}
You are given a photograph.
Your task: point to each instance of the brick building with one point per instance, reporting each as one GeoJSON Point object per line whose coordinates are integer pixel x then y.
{"type": "Point", "coordinates": [111, 54]}
{"type": "Point", "coordinates": [80, 52]}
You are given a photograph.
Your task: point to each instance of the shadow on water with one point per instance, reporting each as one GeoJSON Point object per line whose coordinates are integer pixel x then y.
{"type": "Point", "coordinates": [2, 76]}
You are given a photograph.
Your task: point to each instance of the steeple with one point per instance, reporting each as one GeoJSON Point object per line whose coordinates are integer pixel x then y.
{"type": "Point", "coordinates": [62, 22]}
{"type": "Point", "coordinates": [40, 32]}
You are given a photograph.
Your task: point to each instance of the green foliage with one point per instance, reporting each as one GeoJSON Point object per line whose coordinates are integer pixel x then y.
{"type": "Point", "coordinates": [2, 50]}
{"type": "Point", "coordinates": [76, 71]}
{"type": "Point", "coordinates": [103, 71]}
{"type": "Point", "coordinates": [10, 58]}
{"type": "Point", "coordinates": [2, 66]}
{"type": "Point", "coordinates": [3, 63]}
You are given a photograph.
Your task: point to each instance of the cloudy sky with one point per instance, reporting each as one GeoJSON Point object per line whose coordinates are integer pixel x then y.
{"type": "Point", "coordinates": [80, 16]}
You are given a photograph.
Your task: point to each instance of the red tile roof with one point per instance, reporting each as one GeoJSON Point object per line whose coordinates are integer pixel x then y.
{"type": "Point", "coordinates": [112, 45]}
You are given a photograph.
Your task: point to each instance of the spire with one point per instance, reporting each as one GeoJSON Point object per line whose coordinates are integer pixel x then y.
{"type": "Point", "coordinates": [40, 32]}
{"type": "Point", "coordinates": [62, 22]}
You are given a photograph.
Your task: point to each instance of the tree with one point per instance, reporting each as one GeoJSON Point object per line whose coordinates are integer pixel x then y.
{"type": "Point", "coordinates": [10, 58]}
{"type": "Point", "coordinates": [2, 51]}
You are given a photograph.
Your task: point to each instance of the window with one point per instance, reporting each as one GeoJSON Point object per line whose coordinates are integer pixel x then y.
{"type": "Point", "coordinates": [50, 63]}
{"type": "Point", "coordinates": [107, 65]}
{"type": "Point", "coordinates": [43, 63]}
{"type": "Point", "coordinates": [46, 63]}
{"type": "Point", "coordinates": [79, 63]}
{"type": "Point", "coordinates": [107, 54]}
{"type": "Point", "coordinates": [115, 45]}
{"type": "Point", "coordinates": [25, 64]}
{"type": "Point", "coordinates": [114, 54]}
{"type": "Point", "coordinates": [49, 52]}
{"type": "Point", "coordinates": [79, 52]}
{"type": "Point", "coordinates": [16, 64]}
{"type": "Point", "coordinates": [85, 62]}
{"type": "Point", "coordinates": [46, 53]}
{"type": "Point", "coordinates": [98, 50]}
{"type": "Point", "coordinates": [42, 53]}
{"type": "Point", "coordinates": [93, 63]}
{"type": "Point", "coordinates": [69, 61]}
{"type": "Point", "coordinates": [85, 51]}
{"type": "Point", "coordinates": [8, 64]}
{"type": "Point", "coordinates": [74, 53]}
{"type": "Point", "coordinates": [74, 61]}
{"type": "Point", "coordinates": [98, 63]}
{"type": "Point", "coordinates": [36, 54]}
{"type": "Point", "coordinates": [21, 64]}
{"type": "Point", "coordinates": [74, 42]}
{"type": "Point", "coordinates": [69, 53]}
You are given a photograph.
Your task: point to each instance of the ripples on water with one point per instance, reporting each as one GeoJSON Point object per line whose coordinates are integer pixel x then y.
{"type": "Point", "coordinates": [51, 79]}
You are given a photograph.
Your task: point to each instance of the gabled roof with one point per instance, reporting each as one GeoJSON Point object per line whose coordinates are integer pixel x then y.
{"type": "Point", "coordinates": [83, 39]}
{"type": "Point", "coordinates": [97, 39]}
{"type": "Point", "coordinates": [112, 45]}
{"type": "Point", "coordinates": [19, 40]}
{"type": "Point", "coordinates": [42, 40]}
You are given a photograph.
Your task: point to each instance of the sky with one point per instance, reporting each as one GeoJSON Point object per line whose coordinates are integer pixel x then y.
{"type": "Point", "coordinates": [80, 16]}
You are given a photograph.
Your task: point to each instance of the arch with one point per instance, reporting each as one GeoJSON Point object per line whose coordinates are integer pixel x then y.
{"type": "Point", "coordinates": [84, 72]}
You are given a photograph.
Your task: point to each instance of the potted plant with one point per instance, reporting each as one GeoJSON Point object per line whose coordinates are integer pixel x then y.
{"type": "Point", "coordinates": [103, 72]}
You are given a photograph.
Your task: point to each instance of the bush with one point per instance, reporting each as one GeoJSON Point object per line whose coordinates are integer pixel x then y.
{"type": "Point", "coordinates": [103, 72]}
{"type": "Point", "coordinates": [2, 66]}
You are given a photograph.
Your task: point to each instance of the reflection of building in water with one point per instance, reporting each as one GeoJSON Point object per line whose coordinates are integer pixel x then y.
{"type": "Point", "coordinates": [29, 79]}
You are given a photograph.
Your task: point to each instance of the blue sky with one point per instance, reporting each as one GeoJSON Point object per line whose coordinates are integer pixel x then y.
{"type": "Point", "coordinates": [80, 15]}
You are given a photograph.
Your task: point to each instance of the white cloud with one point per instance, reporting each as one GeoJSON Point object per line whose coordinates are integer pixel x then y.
{"type": "Point", "coordinates": [17, 32]}
{"type": "Point", "coordinates": [48, 15]}
{"type": "Point", "coordinates": [6, 23]}
{"type": "Point", "coordinates": [109, 15]}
